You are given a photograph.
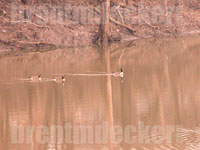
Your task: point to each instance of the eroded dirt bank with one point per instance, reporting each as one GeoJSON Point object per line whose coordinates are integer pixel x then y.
{"type": "Point", "coordinates": [45, 25]}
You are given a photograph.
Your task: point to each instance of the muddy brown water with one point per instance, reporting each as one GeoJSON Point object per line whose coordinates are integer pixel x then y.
{"type": "Point", "coordinates": [155, 107]}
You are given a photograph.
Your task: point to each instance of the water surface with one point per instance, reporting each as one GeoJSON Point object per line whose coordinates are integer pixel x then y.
{"type": "Point", "coordinates": [160, 92]}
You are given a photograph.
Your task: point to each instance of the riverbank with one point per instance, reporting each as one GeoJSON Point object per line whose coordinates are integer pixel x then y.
{"type": "Point", "coordinates": [49, 25]}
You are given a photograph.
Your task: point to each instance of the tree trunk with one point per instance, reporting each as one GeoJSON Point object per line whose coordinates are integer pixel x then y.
{"type": "Point", "coordinates": [104, 27]}
{"type": "Point", "coordinates": [25, 2]}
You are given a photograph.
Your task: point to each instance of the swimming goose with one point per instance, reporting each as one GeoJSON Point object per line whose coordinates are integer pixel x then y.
{"type": "Point", "coordinates": [118, 74]}
{"type": "Point", "coordinates": [36, 78]}
{"type": "Point", "coordinates": [59, 79]}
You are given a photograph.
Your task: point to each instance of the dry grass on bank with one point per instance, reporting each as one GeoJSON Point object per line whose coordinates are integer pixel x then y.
{"type": "Point", "coordinates": [30, 35]}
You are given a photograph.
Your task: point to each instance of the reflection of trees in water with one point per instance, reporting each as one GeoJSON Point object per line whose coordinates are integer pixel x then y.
{"type": "Point", "coordinates": [5, 120]}
{"type": "Point", "coordinates": [1, 123]}
{"type": "Point", "coordinates": [109, 98]}
{"type": "Point", "coordinates": [54, 111]}
{"type": "Point", "coordinates": [165, 83]}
